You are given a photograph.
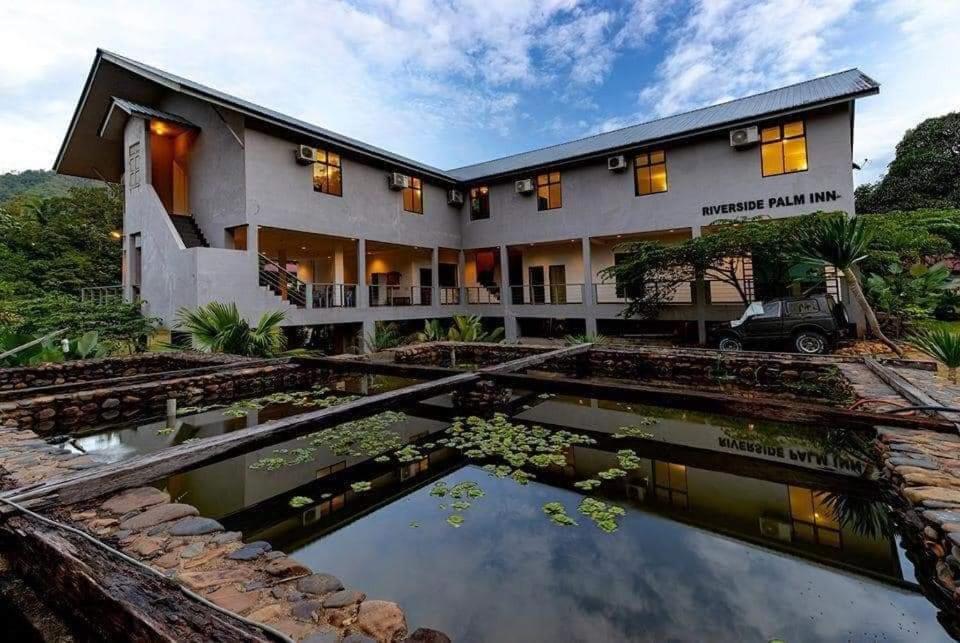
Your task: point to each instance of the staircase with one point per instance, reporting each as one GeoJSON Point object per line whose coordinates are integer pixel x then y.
{"type": "Point", "coordinates": [282, 283]}
{"type": "Point", "coordinates": [189, 231]}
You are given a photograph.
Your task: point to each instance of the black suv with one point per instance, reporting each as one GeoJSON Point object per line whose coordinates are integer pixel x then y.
{"type": "Point", "coordinates": [808, 325]}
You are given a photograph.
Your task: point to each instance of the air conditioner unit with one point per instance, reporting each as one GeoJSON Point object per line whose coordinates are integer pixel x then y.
{"type": "Point", "coordinates": [398, 181]}
{"type": "Point", "coordinates": [455, 198]}
{"type": "Point", "coordinates": [617, 163]}
{"type": "Point", "coordinates": [776, 529]}
{"type": "Point", "coordinates": [524, 186]}
{"type": "Point", "coordinates": [744, 137]}
{"type": "Point", "coordinates": [305, 155]}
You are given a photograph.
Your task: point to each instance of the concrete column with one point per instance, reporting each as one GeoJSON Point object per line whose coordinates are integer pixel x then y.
{"type": "Point", "coordinates": [700, 295]}
{"type": "Point", "coordinates": [435, 278]}
{"type": "Point", "coordinates": [511, 331]}
{"type": "Point", "coordinates": [369, 328]}
{"type": "Point", "coordinates": [253, 248]}
{"type": "Point", "coordinates": [462, 275]}
{"type": "Point", "coordinates": [590, 323]}
{"type": "Point", "coordinates": [505, 294]}
{"type": "Point", "coordinates": [363, 291]}
{"type": "Point", "coordinates": [338, 275]}
{"type": "Point", "coordinates": [588, 294]}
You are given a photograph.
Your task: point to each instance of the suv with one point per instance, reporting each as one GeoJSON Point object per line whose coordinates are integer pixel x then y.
{"type": "Point", "coordinates": [809, 325]}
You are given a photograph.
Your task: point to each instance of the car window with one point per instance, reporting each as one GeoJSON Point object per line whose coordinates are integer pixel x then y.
{"type": "Point", "coordinates": [804, 307]}
{"type": "Point", "coordinates": [771, 310]}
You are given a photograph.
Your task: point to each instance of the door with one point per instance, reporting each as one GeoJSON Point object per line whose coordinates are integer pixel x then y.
{"type": "Point", "coordinates": [426, 286]}
{"type": "Point", "coordinates": [558, 284]}
{"type": "Point", "coordinates": [538, 293]}
{"type": "Point", "coordinates": [767, 327]}
{"type": "Point", "coordinates": [181, 194]}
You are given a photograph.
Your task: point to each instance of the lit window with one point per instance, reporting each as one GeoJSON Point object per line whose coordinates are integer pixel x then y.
{"type": "Point", "coordinates": [327, 175]}
{"type": "Point", "coordinates": [548, 191]}
{"type": "Point", "coordinates": [479, 203]}
{"type": "Point", "coordinates": [814, 520]}
{"type": "Point", "coordinates": [650, 172]}
{"type": "Point", "coordinates": [413, 196]}
{"type": "Point", "coordinates": [670, 483]}
{"type": "Point", "coordinates": [783, 149]}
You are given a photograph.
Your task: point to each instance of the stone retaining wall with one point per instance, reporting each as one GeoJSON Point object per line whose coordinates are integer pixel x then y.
{"type": "Point", "coordinates": [66, 411]}
{"type": "Point", "coordinates": [108, 367]}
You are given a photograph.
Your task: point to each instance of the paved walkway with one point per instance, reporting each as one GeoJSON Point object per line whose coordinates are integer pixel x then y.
{"type": "Point", "coordinates": [868, 386]}
{"type": "Point", "coordinates": [936, 386]}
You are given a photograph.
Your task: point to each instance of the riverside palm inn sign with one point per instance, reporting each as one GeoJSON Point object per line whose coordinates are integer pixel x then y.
{"type": "Point", "coordinates": [783, 201]}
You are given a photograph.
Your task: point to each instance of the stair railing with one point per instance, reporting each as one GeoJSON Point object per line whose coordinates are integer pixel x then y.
{"type": "Point", "coordinates": [282, 282]}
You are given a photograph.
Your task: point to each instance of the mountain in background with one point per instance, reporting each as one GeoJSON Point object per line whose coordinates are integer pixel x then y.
{"type": "Point", "coordinates": [42, 183]}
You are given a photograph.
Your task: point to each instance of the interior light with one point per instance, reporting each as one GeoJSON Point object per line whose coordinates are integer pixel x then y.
{"type": "Point", "coordinates": [116, 234]}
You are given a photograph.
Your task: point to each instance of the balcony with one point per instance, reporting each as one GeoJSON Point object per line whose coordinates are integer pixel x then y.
{"type": "Point", "coordinates": [332, 295]}
{"type": "Point", "coordinates": [550, 294]}
{"type": "Point", "coordinates": [400, 295]}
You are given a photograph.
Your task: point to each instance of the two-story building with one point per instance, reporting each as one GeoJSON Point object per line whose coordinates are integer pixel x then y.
{"type": "Point", "coordinates": [229, 201]}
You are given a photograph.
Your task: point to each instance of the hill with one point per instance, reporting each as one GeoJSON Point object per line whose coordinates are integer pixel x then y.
{"type": "Point", "coordinates": [42, 183]}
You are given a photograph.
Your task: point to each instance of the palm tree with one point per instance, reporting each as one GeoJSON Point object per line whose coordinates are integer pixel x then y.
{"type": "Point", "coordinates": [843, 243]}
{"type": "Point", "coordinates": [432, 331]}
{"type": "Point", "coordinates": [385, 336]}
{"type": "Point", "coordinates": [941, 344]}
{"type": "Point", "coordinates": [469, 328]}
{"type": "Point", "coordinates": [219, 328]}
{"type": "Point", "coordinates": [585, 338]}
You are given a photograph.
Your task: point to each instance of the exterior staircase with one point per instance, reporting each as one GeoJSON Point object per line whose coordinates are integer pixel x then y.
{"type": "Point", "coordinates": [282, 283]}
{"type": "Point", "coordinates": [189, 231]}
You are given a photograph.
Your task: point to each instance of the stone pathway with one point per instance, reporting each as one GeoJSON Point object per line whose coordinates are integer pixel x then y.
{"type": "Point", "coordinates": [925, 467]}
{"type": "Point", "coordinates": [249, 579]}
{"type": "Point", "coordinates": [936, 386]}
{"type": "Point", "coordinates": [868, 386]}
{"type": "Point", "coordinates": [25, 458]}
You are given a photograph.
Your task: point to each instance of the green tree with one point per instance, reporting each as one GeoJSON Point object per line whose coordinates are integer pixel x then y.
{"type": "Point", "coordinates": [924, 173]}
{"type": "Point", "coordinates": [903, 297]}
{"type": "Point", "coordinates": [219, 328]}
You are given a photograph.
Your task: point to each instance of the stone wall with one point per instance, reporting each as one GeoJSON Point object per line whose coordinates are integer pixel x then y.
{"type": "Point", "coordinates": [108, 367]}
{"type": "Point", "coordinates": [66, 411]}
{"type": "Point", "coordinates": [465, 353]}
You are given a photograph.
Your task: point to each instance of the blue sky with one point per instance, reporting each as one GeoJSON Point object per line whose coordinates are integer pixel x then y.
{"type": "Point", "coordinates": [455, 82]}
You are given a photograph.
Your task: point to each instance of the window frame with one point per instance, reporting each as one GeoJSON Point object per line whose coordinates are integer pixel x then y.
{"type": "Point", "coordinates": [327, 165]}
{"type": "Point", "coordinates": [548, 184]}
{"type": "Point", "coordinates": [650, 165]}
{"type": "Point", "coordinates": [483, 197]}
{"type": "Point", "coordinates": [780, 140]}
{"type": "Point", "coordinates": [415, 189]}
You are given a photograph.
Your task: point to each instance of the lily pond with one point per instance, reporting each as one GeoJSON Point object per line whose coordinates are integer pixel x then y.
{"type": "Point", "coordinates": [565, 519]}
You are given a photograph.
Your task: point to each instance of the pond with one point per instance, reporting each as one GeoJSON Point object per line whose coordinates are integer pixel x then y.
{"type": "Point", "coordinates": [637, 523]}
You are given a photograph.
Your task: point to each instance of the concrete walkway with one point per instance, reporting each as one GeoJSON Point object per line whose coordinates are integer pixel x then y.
{"type": "Point", "coordinates": [868, 386]}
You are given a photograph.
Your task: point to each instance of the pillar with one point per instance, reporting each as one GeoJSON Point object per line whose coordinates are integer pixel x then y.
{"type": "Point", "coordinates": [435, 278]}
{"type": "Point", "coordinates": [363, 290]}
{"type": "Point", "coordinates": [505, 294]}
{"type": "Point", "coordinates": [368, 330]}
{"type": "Point", "coordinates": [588, 294]}
{"type": "Point", "coordinates": [338, 278]}
{"type": "Point", "coordinates": [510, 330]}
{"type": "Point", "coordinates": [700, 295]}
{"type": "Point", "coordinates": [462, 276]}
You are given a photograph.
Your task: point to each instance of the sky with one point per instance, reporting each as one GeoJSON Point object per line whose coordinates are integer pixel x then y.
{"type": "Point", "coordinates": [454, 82]}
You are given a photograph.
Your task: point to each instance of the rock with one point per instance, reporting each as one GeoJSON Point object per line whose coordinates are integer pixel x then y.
{"type": "Point", "coordinates": [168, 560]}
{"type": "Point", "coordinates": [286, 568]}
{"type": "Point", "coordinates": [941, 516]}
{"type": "Point", "coordinates": [319, 584]}
{"type": "Point", "coordinates": [146, 546]}
{"type": "Point", "coordinates": [250, 551]}
{"type": "Point", "coordinates": [274, 554]}
{"type": "Point", "coordinates": [195, 526]}
{"type": "Point", "coordinates": [101, 523]}
{"type": "Point", "coordinates": [293, 628]}
{"type": "Point", "coordinates": [917, 495]}
{"type": "Point", "coordinates": [426, 635]}
{"type": "Point", "coordinates": [157, 515]}
{"type": "Point", "coordinates": [135, 500]}
{"type": "Point", "coordinates": [203, 580]}
{"type": "Point", "coordinates": [343, 598]}
{"type": "Point", "coordinates": [227, 537]}
{"type": "Point", "coordinates": [110, 403]}
{"type": "Point", "coordinates": [233, 599]}
{"type": "Point", "coordinates": [83, 515]}
{"type": "Point", "coordinates": [356, 637]}
{"type": "Point", "coordinates": [382, 620]}
{"type": "Point", "coordinates": [267, 613]}
{"type": "Point", "coordinates": [922, 462]}
{"type": "Point", "coordinates": [192, 550]}
{"type": "Point", "coordinates": [307, 610]}
{"type": "Point", "coordinates": [325, 636]}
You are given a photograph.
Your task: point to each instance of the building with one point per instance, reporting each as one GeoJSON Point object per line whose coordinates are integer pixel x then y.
{"type": "Point", "coordinates": [233, 202]}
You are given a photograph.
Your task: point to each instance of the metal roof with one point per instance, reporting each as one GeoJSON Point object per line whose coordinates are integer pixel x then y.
{"type": "Point", "coordinates": [136, 109]}
{"type": "Point", "coordinates": [841, 86]}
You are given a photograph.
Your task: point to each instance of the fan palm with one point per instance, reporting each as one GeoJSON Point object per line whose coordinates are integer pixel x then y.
{"type": "Point", "coordinates": [585, 338]}
{"type": "Point", "coordinates": [941, 344]}
{"type": "Point", "coordinates": [432, 331]}
{"type": "Point", "coordinates": [843, 243]}
{"type": "Point", "coordinates": [384, 337]}
{"type": "Point", "coordinates": [219, 328]}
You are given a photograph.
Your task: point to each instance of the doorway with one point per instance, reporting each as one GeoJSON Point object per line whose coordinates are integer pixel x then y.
{"type": "Point", "coordinates": [537, 291]}
{"type": "Point", "coordinates": [426, 277]}
{"type": "Point", "coordinates": [558, 284]}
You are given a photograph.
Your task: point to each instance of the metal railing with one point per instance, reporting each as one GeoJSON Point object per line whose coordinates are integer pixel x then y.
{"type": "Point", "coordinates": [552, 294]}
{"type": "Point", "coordinates": [450, 295]}
{"type": "Point", "coordinates": [612, 293]}
{"type": "Point", "coordinates": [331, 295]}
{"type": "Point", "coordinates": [400, 295]}
{"type": "Point", "coordinates": [482, 294]}
{"type": "Point", "coordinates": [101, 294]}
{"type": "Point", "coordinates": [282, 282]}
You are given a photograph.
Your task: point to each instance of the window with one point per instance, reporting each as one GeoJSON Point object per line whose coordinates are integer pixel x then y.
{"type": "Point", "coordinates": [670, 483]}
{"type": "Point", "coordinates": [783, 149]}
{"type": "Point", "coordinates": [413, 196]}
{"type": "Point", "coordinates": [548, 191]}
{"type": "Point", "coordinates": [650, 172]}
{"type": "Point", "coordinates": [813, 518]}
{"type": "Point", "coordinates": [479, 203]}
{"type": "Point", "coordinates": [327, 175]}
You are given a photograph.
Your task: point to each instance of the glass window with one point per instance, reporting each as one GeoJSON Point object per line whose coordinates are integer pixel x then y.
{"type": "Point", "coordinates": [327, 174]}
{"type": "Point", "coordinates": [783, 149]}
{"type": "Point", "coordinates": [771, 310]}
{"type": "Point", "coordinates": [479, 203]}
{"type": "Point", "coordinates": [650, 173]}
{"type": "Point", "coordinates": [813, 519]}
{"type": "Point", "coordinates": [670, 483]}
{"type": "Point", "coordinates": [413, 196]}
{"type": "Point", "coordinates": [549, 195]}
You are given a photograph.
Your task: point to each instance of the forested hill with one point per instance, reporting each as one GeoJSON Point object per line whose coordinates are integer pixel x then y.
{"type": "Point", "coordinates": [42, 183]}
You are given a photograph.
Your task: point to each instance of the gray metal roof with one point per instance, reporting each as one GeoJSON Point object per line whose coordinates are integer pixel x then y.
{"type": "Point", "coordinates": [843, 85]}
{"type": "Point", "coordinates": [136, 109]}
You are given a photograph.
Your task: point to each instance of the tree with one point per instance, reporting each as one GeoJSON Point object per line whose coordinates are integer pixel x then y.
{"type": "Point", "coordinates": [924, 173]}
{"type": "Point", "coordinates": [219, 328]}
{"type": "Point", "coordinates": [844, 243]}
{"type": "Point", "coordinates": [903, 297]}
{"type": "Point", "coordinates": [943, 345]}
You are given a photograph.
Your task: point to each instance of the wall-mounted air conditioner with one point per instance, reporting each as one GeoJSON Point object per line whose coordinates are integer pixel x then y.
{"type": "Point", "coordinates": [524, 186]}
{"type": "Point", "coordinates": [305, 155]}
{"type": "Point", "coordinates": [617, 163]}
{"type": "Point", "coordinates": [776, 529]}
{"type": "Point", "coordinates": [744, 136]}
{"type": "Point", "coordinates": [397, 181]}
{"type": "Point", "coordinates": [455, 198]}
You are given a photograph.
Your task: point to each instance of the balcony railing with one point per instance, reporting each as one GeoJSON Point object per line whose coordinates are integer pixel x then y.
{"type": "Point", "coordinates": [611, 293]}
{"type": "Point", "coordinates": [400, 295]}
{"type": "Point", "coordinates": [332, 295]}
{"type": "Point", "coordinates": [450, 295]}
{"type": "Point", "coordinates": [482, 294]}
{"type": "Point", "coordinates": [101, 294]}
{"type": "Point", "coordinates": [555, 294]}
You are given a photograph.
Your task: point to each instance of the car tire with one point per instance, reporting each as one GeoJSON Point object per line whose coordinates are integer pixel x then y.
{"type": "Point", "coordinates": [729, 343]}
{"type": "Point", "coordinates": [810, 342]}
